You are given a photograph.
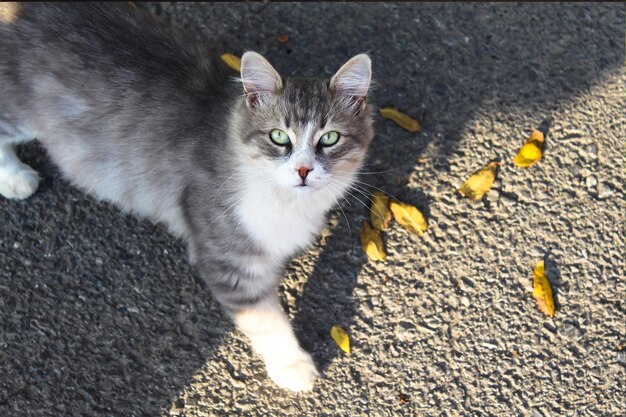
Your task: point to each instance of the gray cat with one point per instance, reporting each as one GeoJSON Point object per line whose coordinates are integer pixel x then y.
{"type": "Point", "coordinates": [245, 172]}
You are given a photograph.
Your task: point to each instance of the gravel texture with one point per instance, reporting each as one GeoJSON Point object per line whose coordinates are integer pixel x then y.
{"type": "Point", "coordinates": [101, 315]}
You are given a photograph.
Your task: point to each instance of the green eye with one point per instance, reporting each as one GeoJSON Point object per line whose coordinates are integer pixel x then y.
{"type": "Point", "coordinates": [329, 138]}
{"type": "Point", "coordinates": [279, 137]}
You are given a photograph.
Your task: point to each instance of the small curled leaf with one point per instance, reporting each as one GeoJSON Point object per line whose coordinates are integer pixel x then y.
{"type": "Point", "coordinates": [531, 151]}
{"type": "Point", "coordinates": [379, 213]}
{"type": "Point", "coordinates": [340, 337]}
{"type": "Point", "coordinates": [542, 290]}
{"type": "Point", "coordinates": [409, 217]}
{"type": "Point", "coordinates": [372, 243]}
{"type": "Point", "coordinates": [232, 61]}
{"type": "Point", "coordinates": [401, 119]}
{"type": "Point", "coordinates": [480, 182]}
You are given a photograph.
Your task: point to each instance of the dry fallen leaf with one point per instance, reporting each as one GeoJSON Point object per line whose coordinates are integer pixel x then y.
{"type": "Point", "coordinates": [401, 119]}
{"type": "Point", "coordinates": [480, 182]}
{"type": "Point", "coordinates": [340, 336]}
{"type": "Point", "coordinates": [283, 38]}
{"type": "Point", "coordinates": [409, 217]}
{"type": "Point", "coordinates": [542, 290]}
{"type": "Point", "coordinates": [372, 243]}
{"type": "Point", "coordinates": [380, 214]}
{"type": "Point", "coordinates": [232, 61]}
{"type": "Point", "coordinates": [532, 150]}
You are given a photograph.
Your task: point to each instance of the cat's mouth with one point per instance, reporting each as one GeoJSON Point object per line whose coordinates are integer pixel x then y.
{"type": "Point", "coordinates": [303, 188]}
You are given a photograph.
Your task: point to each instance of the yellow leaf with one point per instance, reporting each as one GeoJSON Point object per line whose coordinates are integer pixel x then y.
{"type": "Point", "coordinates": [532, 150]}
{"type": "Point", "coordinates": [409, 217]}
{"type": "Point", "coordinates": [401, 119]}
{"type": "Point", "coordinates": [480, 182]}
{"type": "Point", "coordinates": [340, 336]}
{"type": "Point", "coordinates": [542, 290]}
{"type": "Point", "coordinates": [372, 243]}
{"type": "Point", "coordinates": [380, 214]}
{"type": "Point", "coordinates": [232, 61]}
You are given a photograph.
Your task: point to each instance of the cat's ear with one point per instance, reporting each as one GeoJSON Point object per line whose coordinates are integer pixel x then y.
{"type": "Point", "coordinates": [353, 80]}
{"type": "Point", "coordinates": [259, 78]}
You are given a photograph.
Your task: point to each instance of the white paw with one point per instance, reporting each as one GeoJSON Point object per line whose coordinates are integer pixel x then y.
{"type": "Point", "coordinates": [18, 184]}
{"type": "Point", "coordinates": [294, 375]}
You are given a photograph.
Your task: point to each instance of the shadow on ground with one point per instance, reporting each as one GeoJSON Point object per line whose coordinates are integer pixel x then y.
{"type": "Point", "coordinates": [100, 313]}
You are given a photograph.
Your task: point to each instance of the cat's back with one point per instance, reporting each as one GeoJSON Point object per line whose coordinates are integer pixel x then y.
{"type": "Point", "coordinates": [113, 39]}
{"type": "Point", "coordinates": [82, 62]}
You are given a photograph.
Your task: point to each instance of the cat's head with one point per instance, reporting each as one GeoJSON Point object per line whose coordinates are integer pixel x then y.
{"type": "Point", "coordinates": [305, 136]}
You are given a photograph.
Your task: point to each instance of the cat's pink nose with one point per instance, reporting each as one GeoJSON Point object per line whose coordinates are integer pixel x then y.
{"type": "Point", "coordinates": [304, 171]}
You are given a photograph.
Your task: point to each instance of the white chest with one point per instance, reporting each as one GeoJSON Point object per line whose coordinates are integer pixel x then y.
{"type": "Point", "coordinates": [283, 227]}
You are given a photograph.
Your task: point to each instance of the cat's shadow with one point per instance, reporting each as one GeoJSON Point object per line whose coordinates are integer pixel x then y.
{"type": "Point", "coordinates": [107, 312]}
{"type": "Point", "coordinates": [328, 297]}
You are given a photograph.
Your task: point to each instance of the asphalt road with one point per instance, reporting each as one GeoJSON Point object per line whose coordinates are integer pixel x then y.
{"type": "Point", "coordinates": [101, 315]}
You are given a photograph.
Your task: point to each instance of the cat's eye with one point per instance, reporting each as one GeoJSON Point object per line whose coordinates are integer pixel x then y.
{"type": "Point", "coordinates": [279, 137]}
{"type": "Point", "coordinates": [329, 138]}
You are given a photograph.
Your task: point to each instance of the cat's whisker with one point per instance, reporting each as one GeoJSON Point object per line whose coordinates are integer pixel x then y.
{"type": "Point", "coordinates": [356, 187]}
{"type": "Point", "coordinates": [342, 196]}
{"type": "Point", "coordinates": [295, 71]}
{"type": "Point", "coordinates": [342, 109]}
{"type": "Point", "coordinates": [246, 94]}
{"type": "Point", "coordinates": [349, 193]}
{"type": "Point", "coordinates": [347, 201]}
{"type": "Point", "coordinates": [232, 241]}
{"type": "Point", "coordinates": [341, 193]}
{"type": "Point", "coordinates": [338, 190]}
{"type": "Point", "coordinates": [359, 200]}
{"type": "Point", "coordinates": [362, 192]}
{"type": "Point", "coordinates": [220, 187]}
{"type": "Point", "coordinates": [339, 205]}
{"type": "Point", "coordinates": [376, 188]}
{"type": "Point", "coordinates": [344, 213]}
{"type": "Point", "coordinates": [376, 172]}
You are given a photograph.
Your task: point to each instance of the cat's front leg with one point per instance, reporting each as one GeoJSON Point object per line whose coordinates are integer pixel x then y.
{"type": "Point", "coordinates": [249, 295]}
{"type": "Point", "coordinates": [271, 336]}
